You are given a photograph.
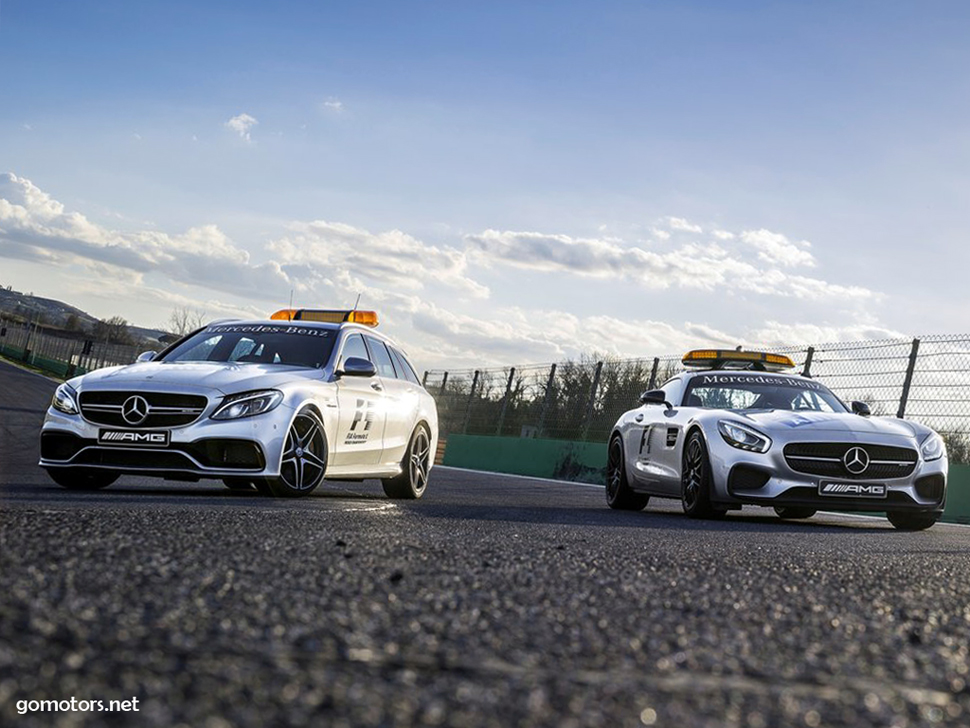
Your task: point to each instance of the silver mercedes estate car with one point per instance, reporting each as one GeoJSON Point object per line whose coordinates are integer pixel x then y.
{"type": "Point", "coordinates": [735, 429]}
{"type": "Point", "coordinates": [275, 405]}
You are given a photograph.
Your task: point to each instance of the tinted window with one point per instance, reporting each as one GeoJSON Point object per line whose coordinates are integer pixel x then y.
{"type": "Point", "coordinates": [722, 390]}
{"type": "Point", "coordinates": [403, 365]}
{"type": "Point", "coordinates": [354, 346]}
{"type": "Point", "coordinates": [381, 358]}
{"type": "Point", "coordinates": [301, 346]}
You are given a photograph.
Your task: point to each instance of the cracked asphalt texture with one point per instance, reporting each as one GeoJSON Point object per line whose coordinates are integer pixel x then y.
{"type": "Point", "coordinates": [493, 601]}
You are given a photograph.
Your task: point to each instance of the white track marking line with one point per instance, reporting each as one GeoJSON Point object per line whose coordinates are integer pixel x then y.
{"type": "Point", "coordinates": [849, 516]}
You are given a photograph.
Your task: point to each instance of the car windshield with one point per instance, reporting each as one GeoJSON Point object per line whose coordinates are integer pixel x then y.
{"type": "Point", "coordinates": [285, 344]}
{"type": "Point", "coordinates": [759, 391]}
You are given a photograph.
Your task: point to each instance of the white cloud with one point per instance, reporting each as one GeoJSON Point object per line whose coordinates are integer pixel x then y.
{"type": "Point", "coordinates": [34, 226]}
{"type": "Point", "coordinates": [723, 235]}
{"type": "Point", "coordinates": [682, 225]}
{"type": "Point", "coordinates": [431, 297]}
{"type": "Point", "coordinates": [777, 249]}
{"type": "Point", "coordinates": [692, 266]}
{"type": "Point", "coordinates": [394, 260]}
{"type": "Point", "coordinates": [241, 124]}
{"type": "Point", "coordinates": [333, 104]}
{"type": "Point", "coordinates": [777, 333]}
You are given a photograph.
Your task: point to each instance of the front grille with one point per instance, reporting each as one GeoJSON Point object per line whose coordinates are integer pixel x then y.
{"type": "Point", "coordinates": [162, 409]}
{"type": "Point", "coordinates": [826, 459]}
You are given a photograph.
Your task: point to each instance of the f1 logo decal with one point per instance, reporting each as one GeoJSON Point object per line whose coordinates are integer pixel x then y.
{"type": "Point", "coordinates": [365, 412]}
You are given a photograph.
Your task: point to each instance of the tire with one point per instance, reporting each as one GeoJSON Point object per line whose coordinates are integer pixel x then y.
{"type": "Point", "coordinates": [304, 461]}
{"type": "Point", "coordinates": [238, 484]}
{"type": "Point", "coordinates": [794, 512]}
{"type": "Point", "coordinates": [618, 494]}
{"type": "Point", "coordinates": [696, 482]}
{"type": "Point", "coordinates": [82, 478]}
{"type": "Point", "coordinates": [413, 480]}
{"type": "Point", "coordinates": [904, 521]}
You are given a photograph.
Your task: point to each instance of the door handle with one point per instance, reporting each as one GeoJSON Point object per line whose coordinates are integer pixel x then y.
{"type": "Point", "coordinates": [639, 418]}
{"type": "Point", "coordinates": [377, 386]}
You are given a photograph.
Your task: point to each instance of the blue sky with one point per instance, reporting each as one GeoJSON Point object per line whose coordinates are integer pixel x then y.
{"type": "Point", "coordinates": [505, 182]}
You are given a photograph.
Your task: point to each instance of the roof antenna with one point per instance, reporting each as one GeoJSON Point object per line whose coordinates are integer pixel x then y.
{"type": "Point", "coordinates": [291, 298]}
{"type": "Point", "coordinates": [357, 302]}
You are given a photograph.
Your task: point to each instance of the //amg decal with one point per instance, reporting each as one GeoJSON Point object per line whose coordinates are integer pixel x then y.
{"type": "Point", "coordinates": [126, 437]}
{"type": "Point", "coordinates": [865, 490]}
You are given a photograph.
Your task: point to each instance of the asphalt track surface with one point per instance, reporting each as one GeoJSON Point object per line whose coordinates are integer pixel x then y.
{"type": "Point", "coordinates": [493, 601]}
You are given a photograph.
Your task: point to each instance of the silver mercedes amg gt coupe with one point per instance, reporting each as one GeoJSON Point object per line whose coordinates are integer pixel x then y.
{"type": "Point", "coordinates": [735, 429]}
{"type": "Point", "coordinates": [274, 405]}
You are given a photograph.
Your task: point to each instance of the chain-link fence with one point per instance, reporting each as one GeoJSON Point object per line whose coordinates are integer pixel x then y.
{"type": "Point", "coordinates": [64, 356]}
{"type": "Point", "coordinates": [926, 379]}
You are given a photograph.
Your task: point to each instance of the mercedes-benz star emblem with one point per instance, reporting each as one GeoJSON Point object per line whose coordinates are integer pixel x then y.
{"type": "Point", "coordinates": [856, 460]}
{"type": "Point", "coordinates": [135, 410]}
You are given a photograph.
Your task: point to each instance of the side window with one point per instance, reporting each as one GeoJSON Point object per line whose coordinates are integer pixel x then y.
{"type": "Point", "coordinates": [354, 346]}
{"type": "Point", "coordinates": [381, 359]}
{"type": "Point", "coordinates": [404, 366]}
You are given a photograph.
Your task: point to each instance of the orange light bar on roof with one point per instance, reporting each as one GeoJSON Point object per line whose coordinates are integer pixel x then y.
{"type": "Point", "coordinates": [718, 357]}
{"type": "Point", "coordinates": [366, 318]}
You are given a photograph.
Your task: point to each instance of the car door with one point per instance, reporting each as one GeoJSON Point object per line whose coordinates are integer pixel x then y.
{"type": "Point", "coordinates": [658, 445]}
{"type": "Point", "coordinates": [400, 402]}
{"type": "Point", "coordinates": [362, 411]}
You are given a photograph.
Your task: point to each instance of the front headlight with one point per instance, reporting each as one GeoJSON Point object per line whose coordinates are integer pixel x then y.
{"type": "Point", "coordinates": [933, 447]}
{"type": "Point", "coordinates": [743, 437]}
{"type": "Point", "coordinates": [65, 400]}
{"type": "Point", "coordinates": [248, 404]}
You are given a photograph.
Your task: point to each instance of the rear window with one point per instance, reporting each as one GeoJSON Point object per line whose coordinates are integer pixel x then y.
{"type": "Point", "coordinates": [404, 366]}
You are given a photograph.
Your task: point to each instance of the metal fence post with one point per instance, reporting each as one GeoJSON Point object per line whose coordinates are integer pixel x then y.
{"type": "Point", "coordinates": [587, 421]}
{"type": "Point", "coordinates": [505, 402]}
{"type": "Point", "coordinates": [424, 379]}
{"type": "Point", "coordinates": [653, 373]}
{"type": "Point", "coordinates": [807, 369]}
{"type": "Point", "coordinates": [907, 383]}
{"type": "Point", "coordinates": [468, 407]}
{"type": "Point", "coordinates": [550, 383]}
{"type": "Point", "coordinates": [444, 384]}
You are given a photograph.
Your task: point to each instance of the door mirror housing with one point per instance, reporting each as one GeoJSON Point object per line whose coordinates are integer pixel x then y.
{"type": "Point", "coordinates": [355, 366]}
{"type": "Point", "coordinates": [654, 396]}
{"type": "Point", "coordinates": [861, 409]}
{"type": "Point", "coordinates": [146, 356]}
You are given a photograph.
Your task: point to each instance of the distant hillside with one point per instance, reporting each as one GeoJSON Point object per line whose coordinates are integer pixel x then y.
{"type": "Point", "coordinates": [49, 313]}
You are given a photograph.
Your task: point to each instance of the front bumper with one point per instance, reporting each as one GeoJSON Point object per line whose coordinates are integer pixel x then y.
{"type": "Point", "coordinates": [767, 480]}
{"type": "Point", "coordinates": [204, 449]}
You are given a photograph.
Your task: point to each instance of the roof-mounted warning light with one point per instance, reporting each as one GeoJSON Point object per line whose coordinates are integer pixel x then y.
{"type": "Point", "coordinates": [366, 318]}
{"type": "Point", "coordinates": [731, 359]}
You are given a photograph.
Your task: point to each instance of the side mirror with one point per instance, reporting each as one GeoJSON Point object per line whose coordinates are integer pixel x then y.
{"type": "Point", "coordinates": [654, 396]}
{"type": "Point", "coordinates": [146, 356]}
{"type": "Point", "coordinates": [357, 367]}
{"type": "Point", "coordinates": [861, 408]}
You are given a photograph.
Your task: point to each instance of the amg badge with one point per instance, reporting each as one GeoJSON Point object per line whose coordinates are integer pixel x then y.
{"type": "Point", "coordinates": [133, 437]}
{"type": "Point", "coordinates": [853, 490]}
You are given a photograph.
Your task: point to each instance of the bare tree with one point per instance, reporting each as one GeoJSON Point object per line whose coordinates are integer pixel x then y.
{"type": "Point", "coordinates": [113, 331]}
{"type": "Point", "coordinates": [185, 319]}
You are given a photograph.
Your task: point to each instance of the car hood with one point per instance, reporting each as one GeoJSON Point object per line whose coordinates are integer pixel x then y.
{"type": "Point", "coordinates": [798, 423]}
{"type": "Point", "coordinates": [200, 377]}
